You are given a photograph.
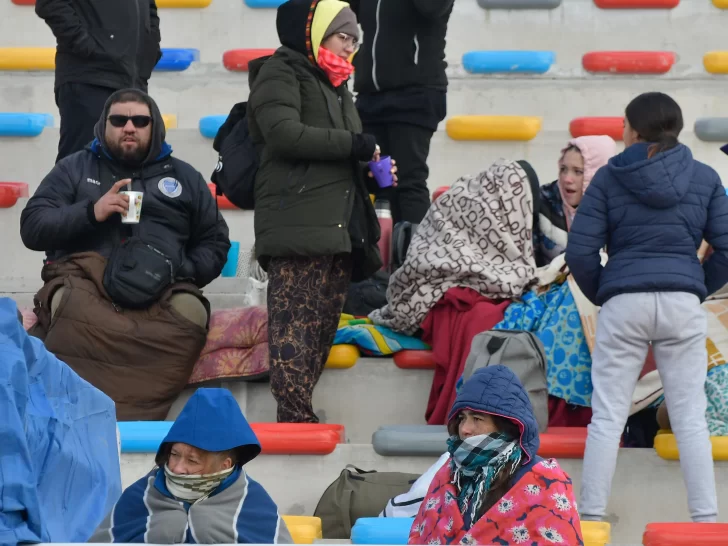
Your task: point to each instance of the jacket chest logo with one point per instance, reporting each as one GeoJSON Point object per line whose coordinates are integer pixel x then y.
{"type": "Point", "coordinates": [170, 187]}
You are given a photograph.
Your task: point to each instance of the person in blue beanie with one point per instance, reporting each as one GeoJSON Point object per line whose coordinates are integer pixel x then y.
{"type": "Point", "coordinates": [651, 206]}
{"type": "Point", "coordinates": [199, 492]}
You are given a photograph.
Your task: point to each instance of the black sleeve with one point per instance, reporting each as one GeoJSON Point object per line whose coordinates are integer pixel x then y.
{"type": "Point", "coordinates": [68, 28]}
{"type": "Point", "coordinates": [52, 219]}
{"type": "Point", "coordinates": [208, 246]}
{"type": "Point", "coordinates": [433, 8]}
{"type": "Point", "coordinates": [154, 21]}
{"type": "Point", "coordinates": [354, 5]}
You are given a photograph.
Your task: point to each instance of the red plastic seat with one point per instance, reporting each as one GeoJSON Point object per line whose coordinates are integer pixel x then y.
{"type": "Point", "coordinates": [611, 126]}
{"type": "Point", "coordinates": [298, 438]}
{"type": "Point", "coordinates": [563, 442]}
{"type": "Point", "coordinates": [222, 201]}
{"type": "Point", "coordinates": [636, 4]}
{"type": "Point", "coordinates": [10, 192]}
{"type": "Point", "coordinates": [415, 360]}
{"type": "Point", "coordinates": [629, 62]}
{"type": "Point", "coordinates": [237, 60]}
{"type": "Point", "coordinates": [24, 2]}
{"type": "Point", "coordinates": [438, 192]}
{"type": "Point", "coordinates": [685, 534]}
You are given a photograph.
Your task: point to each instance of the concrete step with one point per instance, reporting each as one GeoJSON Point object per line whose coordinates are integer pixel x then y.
{"type": "Point", "coordinates": [373, 393]}
{"type": "Point", "coordinates": [570, 30]}
{"type": "Point", "coordinates": [646, 488]}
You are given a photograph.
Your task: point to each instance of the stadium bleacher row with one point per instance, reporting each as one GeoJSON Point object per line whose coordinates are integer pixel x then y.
{"type": "Point", "coordinates": [523, 80]}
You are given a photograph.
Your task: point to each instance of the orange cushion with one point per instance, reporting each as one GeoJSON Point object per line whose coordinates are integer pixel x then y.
{"type": "Point", "coordinates": [222, 202]}
{"type": "Point", "coordinates": [611, 126]}
{"type": "Point", "coordinates": [563, 442]}
{"type": "Point", "coordinates": [415, 360]}
{"type": "Point", "coordinates": [298, 438]}
{"type": "Point", "coordinates": [685, 534]}
{"type": "Point", "coordinates": [629, 62]}
{"type": "Point", "coordinates": [10, 192]}
{"type": "Point", "coordinates": [438, 192]}
{"type": "Point", "coordinates": [237, 60]}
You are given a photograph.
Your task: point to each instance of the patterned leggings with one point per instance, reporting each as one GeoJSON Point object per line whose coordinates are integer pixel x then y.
{"type": "Point", "coordinates": [305, 299]}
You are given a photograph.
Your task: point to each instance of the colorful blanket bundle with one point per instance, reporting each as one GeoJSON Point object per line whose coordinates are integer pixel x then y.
{"type": "Point", "coordinates": [375, 340]}
{"type": "Point", "coordinates": [554, 318]}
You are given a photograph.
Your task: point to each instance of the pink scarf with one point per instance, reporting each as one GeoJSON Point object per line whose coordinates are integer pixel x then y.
{"type": "Point", "coordinates": [596, 151]}
{"type": "Point", "coordinates": [337, 69]}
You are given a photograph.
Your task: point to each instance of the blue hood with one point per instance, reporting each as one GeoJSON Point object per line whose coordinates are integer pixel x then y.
{"type": "Point", "coordinates": [497, 390]}
{"type": "Point", "coordinates": [660, 182]}
{"type": "Point", "coordinates": [212, 420]}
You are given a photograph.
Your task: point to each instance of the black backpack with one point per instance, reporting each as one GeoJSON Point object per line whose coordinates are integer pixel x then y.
{"type": "Point", "coordinates": [238, 159]}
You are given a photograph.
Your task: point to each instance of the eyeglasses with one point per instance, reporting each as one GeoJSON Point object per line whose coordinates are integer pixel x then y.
{"type": "Point", "coordinates": [139, 122]}
{"type": "Point", "coordinates": [348, 40]}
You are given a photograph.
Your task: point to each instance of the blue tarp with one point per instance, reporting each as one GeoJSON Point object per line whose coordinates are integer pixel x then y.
{"type": "Point", "coordinates": [59, 461]}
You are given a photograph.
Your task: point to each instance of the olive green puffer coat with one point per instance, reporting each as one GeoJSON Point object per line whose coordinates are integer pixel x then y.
{"type": "Point", "coordinates": [307, 184]}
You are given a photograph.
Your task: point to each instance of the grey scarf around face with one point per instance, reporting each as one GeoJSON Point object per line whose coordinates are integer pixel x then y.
{"type": "Point", "coordinates": [191, 488]}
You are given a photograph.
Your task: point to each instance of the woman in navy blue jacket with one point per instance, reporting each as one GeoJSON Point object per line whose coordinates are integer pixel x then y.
{"type": "Point", "coordinates": [650, 206]}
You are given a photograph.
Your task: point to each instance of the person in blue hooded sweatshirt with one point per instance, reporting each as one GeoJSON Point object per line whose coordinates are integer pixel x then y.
{"type": "Point", "coordinates": [651, 206]}
{"type": "Point", "coordinates": [199, 492]}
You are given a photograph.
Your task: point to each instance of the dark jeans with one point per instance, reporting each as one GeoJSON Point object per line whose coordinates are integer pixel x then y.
{"type": "Point", "coordinates": [80, 106]}
{"type": "Point", "coordinates": [305, 298]}
{"type": "Point", "coordinates": [409, 146]}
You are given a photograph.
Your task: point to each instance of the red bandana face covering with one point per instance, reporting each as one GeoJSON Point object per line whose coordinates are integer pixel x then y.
{"type": "Point", "coordinates": [337, 69]}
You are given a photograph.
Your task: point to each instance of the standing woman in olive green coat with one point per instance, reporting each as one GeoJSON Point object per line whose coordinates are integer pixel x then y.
{"type": "Point", "coordinates": [315, 228]}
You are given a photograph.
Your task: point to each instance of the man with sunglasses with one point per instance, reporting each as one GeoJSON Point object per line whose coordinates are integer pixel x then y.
{"type": "Point", "coordinates": [401, 90]}
{"type": "Point", "coordinates": [121, 304]}
{"type": "Point", "coordinates": [102, 47]}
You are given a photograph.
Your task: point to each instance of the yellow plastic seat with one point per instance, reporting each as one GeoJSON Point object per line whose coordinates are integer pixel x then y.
{"type": "Point", "coordinates": [304, 529]}
{"type": "Point", "coordinates": [716, 62]}
{"type": "Point", "coordinates": [493, 127]}
{"type": "Point", "coordinates": [596, 533]}
{"type": "Point", "coordinates": [722, 4]}
{"type": "Point", "coordinates": [183, 3]}
{"type": "Point", "coordinates": [170, 121]}
{"type": "Point", "coordinates": [343, 356]}
{"type": "Point", "coordinates": [27, 58]}
{"type": "Point", "coordinates": [666, 446]}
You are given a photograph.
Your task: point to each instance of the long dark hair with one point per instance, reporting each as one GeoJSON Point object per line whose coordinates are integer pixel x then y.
{"type": "Point", "coordinates": [657, 119]}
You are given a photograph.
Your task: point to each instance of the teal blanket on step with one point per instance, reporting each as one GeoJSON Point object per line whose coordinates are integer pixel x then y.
{"type": "Point", "coordinates": [554, 318]}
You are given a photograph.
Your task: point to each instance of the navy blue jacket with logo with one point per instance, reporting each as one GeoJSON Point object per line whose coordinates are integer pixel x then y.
{"type": "Point", "coordinates": [179, 215]}
{"type": "Point", "coordinates": [652, 215]}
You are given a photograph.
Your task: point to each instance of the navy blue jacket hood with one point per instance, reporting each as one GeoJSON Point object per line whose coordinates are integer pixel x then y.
{"type": "Point", "coordinates": [651, 215]}
{"type": "Point", "coordinates": [211, 420]}
{"type": "Point", "coordinates": [661, 181]}
{"type": "Point", "coordinates": [498, 391]}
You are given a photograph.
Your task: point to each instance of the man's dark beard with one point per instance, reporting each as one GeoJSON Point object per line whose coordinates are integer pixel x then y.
{"type": "Point", "coordinates": [135, 157]}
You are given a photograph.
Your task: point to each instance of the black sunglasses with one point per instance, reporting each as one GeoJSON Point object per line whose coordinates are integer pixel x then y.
{"type": "Point", "coordinates": [138, 121]}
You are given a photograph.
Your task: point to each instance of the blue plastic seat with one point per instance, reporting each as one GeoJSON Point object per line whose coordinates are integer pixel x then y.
{"type": "Point", "coordinates": [17, 124]}
{"type": "Point", "coordinates": [210, 125]}
{"type": "Point", "coordinates": [176, 59]}
{"type": "Point", "coordinates": [712, 129]}
{"type": "Point", "coordinates": [489, 62]}
{"type": "Point", "coordinates": [142, 436]}
{"type": "Point", "coordinates": [391, 531]}
{"type": "Point", "coordinates": [263, 3]}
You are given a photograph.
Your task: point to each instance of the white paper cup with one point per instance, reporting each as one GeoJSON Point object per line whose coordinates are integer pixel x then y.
{"type": "Point", "coordinates": [134, 213]}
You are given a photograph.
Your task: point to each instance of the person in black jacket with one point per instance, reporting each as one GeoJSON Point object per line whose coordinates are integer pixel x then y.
{"type": "Point", "coordinates": [78, 206]}
{"type": "Point", "coordinates": [102, 47]}
{"type": "Point", "coordinates": [140, 352]}
{"type": "Point", "coordinates": [401, 84]}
